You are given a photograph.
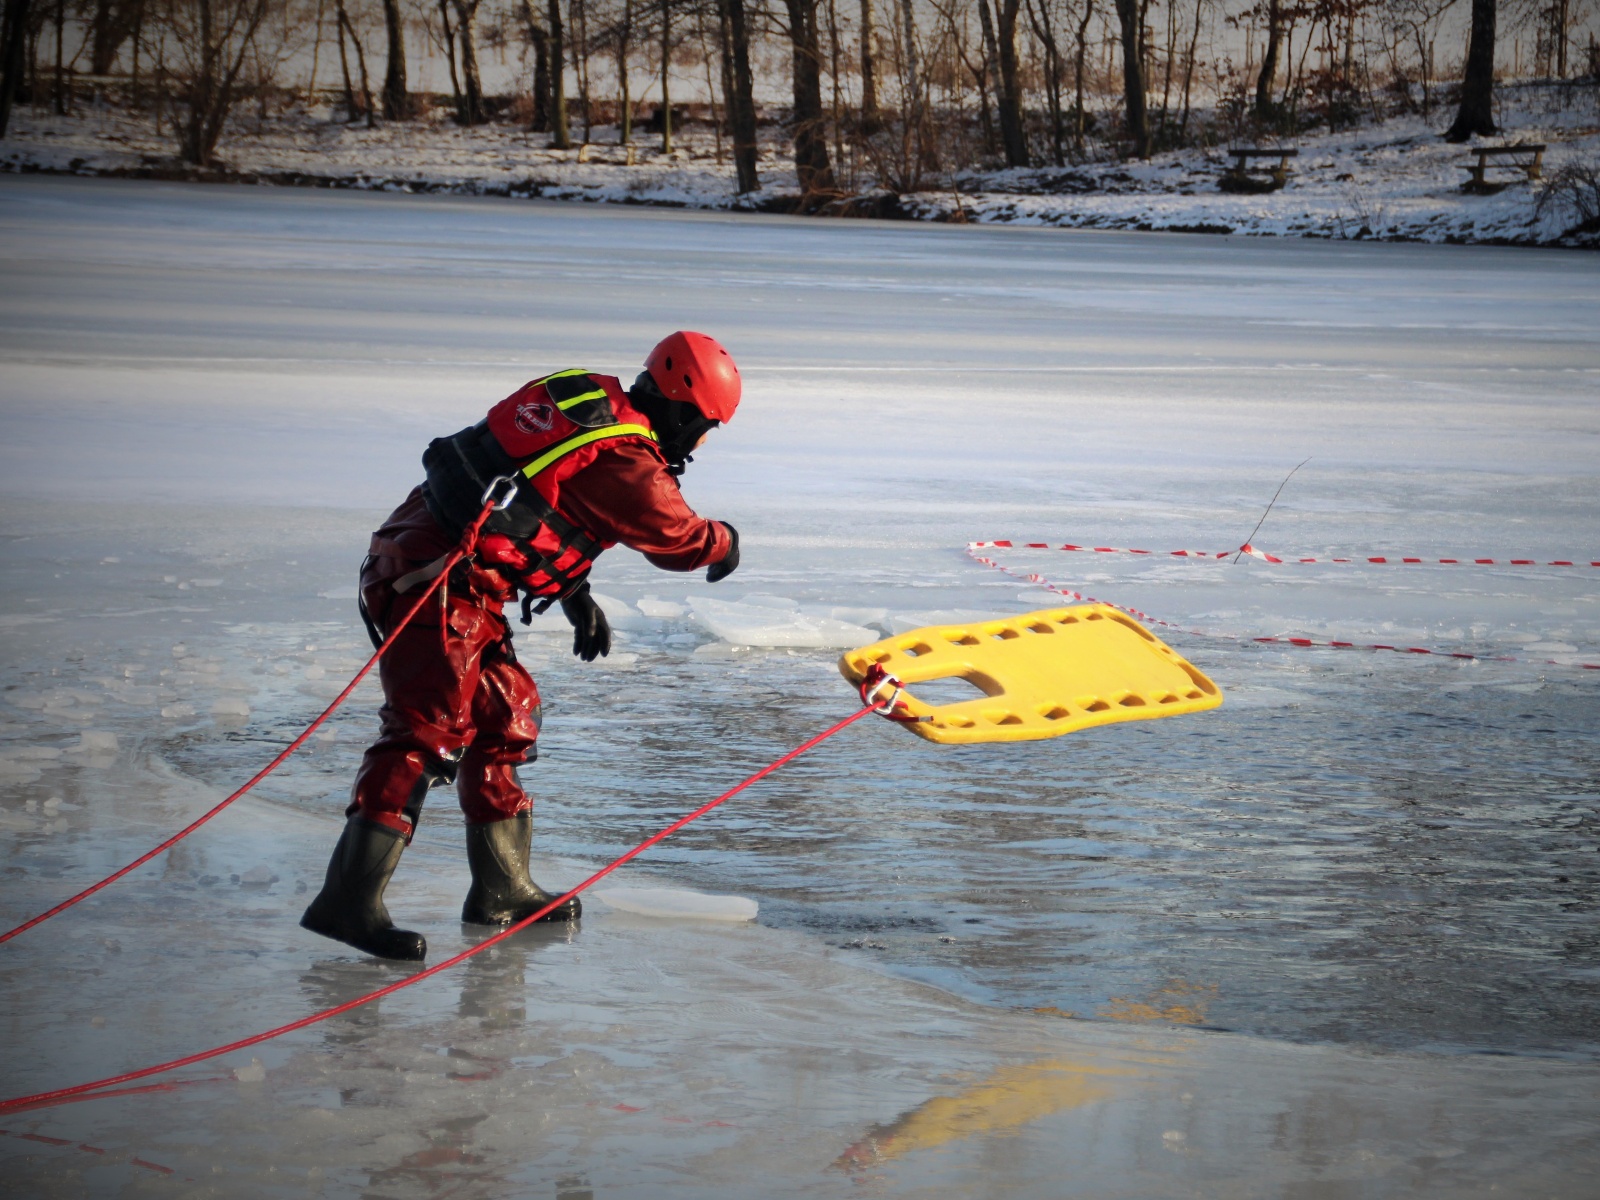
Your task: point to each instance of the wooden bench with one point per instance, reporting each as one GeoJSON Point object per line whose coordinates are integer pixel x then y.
{"type": "Point", "coordinates": [1246, 176]}
{"type": "Point", "coordinates": [583, 153]}
{"type": "Point", "coordinates": [1527, 157]}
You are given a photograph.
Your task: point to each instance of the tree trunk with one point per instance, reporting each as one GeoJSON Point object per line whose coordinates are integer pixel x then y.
{"type": "Point", "coordinates": [450, 57]}
{"type": "Point", "coordinates": [110, 27]}
{"type": "Point", "coordinates": [396, 94]}
{"type": "Point", "coordinates": [810, 129]}
{"type": "Point", "coordinates": [579, 12]}
{"type": "Point", "coordinates": [540, 37]}
{"type": "Point", "coordinates": [560, 135]}
{"type": "Point", "coordinates": [1011, 131]}
{"type": "Point", "coordinates": [869, 78]}
{"type": "Point", "coordinates": [1476, 114]}
{"type": "Point", "coordinates": [344, 67]}
{"type": "Point", "coordinates": [741, 101]}
{"type": "Point", "coordinates": [471, 88]}
{"type": "Point", "coordinates": [1079, 63]}
{"type": "Point", "coordinates": [1188, 67]}
{"type": "Point", "coordinates": [625, 101]}
{"type": "Point", "coordinates": [361, 62]}
{"type": "Point", "coordinates": [991, 74]}
{"type": "Point", "coordinates": [1129, 13]}
{"type": "Point", "coordinates": [61, 70]}
{"type": "Point", "coordinates": [666, 93]}
{"type": "Point", "coordinates": [1039, 17]}
{"type": "Point", "coordinates": [13, 57]}
{"type": "Point", "coordinates": [912, 84]}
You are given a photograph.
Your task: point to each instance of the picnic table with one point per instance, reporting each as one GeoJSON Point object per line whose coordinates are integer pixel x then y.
{"type": "Point", "coordinates": [1526, 157]}
{"type": "Point", "coordinates": [1245, 175]}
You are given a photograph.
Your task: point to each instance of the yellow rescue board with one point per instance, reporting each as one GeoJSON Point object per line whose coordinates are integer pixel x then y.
{"type": "Point", "coordinates": [1042, 674]}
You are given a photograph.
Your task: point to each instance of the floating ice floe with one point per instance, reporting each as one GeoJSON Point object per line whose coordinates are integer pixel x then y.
{"type": "Point", "coordinates": [746, 624]}
{"type": "Point", "coordinates": [680, 904]}
{"type": "Point", "coordinates": [661, 610]}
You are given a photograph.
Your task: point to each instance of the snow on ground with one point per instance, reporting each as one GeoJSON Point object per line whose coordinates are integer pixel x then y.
{"type": "Point", "coordinates": [1336, 935]}
{"type": "Point", "coordinates": [1391, 180]}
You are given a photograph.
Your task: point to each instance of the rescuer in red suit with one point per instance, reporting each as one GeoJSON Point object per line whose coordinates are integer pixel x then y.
{"type": "Point", "coordinates": [593, 465]}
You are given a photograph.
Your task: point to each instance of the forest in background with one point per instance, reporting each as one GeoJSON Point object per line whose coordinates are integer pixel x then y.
{"type": "Point", "coordinates": [869, 93]}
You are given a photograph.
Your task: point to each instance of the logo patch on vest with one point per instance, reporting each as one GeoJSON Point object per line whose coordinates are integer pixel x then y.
{"type": "Point", "coordinates": [535, 416]}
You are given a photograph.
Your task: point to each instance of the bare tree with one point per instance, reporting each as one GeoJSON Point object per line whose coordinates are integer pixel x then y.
{"type": "Point", "coordinates": [13, 57]}
{"type": "Point", "coordinates": [472, 109]}
{"type": "Point", "coordinates": [1475, 116]}
{"type": "Point", "coordinates": [869, 72]}
{"type": "Point", "coordinates": [396, 95]}
{"type": "Point", "coordinates": [539, 41]}
{"type": "Point", "coordinates": [741, 99]}
{"type": "Point", "coordinates": [347, 29]}
{"type": "Point", "coordinates": [810, 129]}
{"type": "Point", "coordinates": [111, 22]}
{"type": "Point", "coordinates": [212, 39]}
{"type": "Point", "coordinates": [560, 135]}
{"type": "Point", "coordinates": [1130, 14]}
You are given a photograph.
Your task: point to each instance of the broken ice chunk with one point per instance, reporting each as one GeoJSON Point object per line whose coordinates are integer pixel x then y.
{"type": "Point", "coordinates": [681, 904]}
{"type": "Point", "coordinates": [756, 625]}
{"type": "Point", "coordinates": [762, 600]}
{"type": "Point", "coordinates": [661, 610]}
{"type": "Point", "coordinates": [96, 742]}
{"type": "Point", "coordinates": [254, 1073]}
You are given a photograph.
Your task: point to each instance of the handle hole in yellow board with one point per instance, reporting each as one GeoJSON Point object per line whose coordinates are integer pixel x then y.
{"type": "Point", "coordinates": [949, 689]}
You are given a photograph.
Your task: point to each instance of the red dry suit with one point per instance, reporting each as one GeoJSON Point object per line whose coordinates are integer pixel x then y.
{"type": "Point", "coordinates": [457, 704]}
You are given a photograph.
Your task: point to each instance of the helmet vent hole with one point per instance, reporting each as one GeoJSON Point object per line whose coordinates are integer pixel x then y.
{"type": "Point", "coordinates": [687, 382]}
{"type": "Point", "coordinates": [669, 362]}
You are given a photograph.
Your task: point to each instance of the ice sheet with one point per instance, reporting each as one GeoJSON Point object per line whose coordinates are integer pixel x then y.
{"type": "Point", "coordinates": [1359, 868]}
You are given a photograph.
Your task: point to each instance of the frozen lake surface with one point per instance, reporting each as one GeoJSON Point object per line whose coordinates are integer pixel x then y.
{"type": "Point", "coordinates": [1368, 883]}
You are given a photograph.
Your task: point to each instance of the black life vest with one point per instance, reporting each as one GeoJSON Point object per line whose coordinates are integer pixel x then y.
{"type": "Point", "coordinates": [540, 435]}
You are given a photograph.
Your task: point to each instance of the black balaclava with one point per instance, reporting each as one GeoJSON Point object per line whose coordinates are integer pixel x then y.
{"type": "Point", "coordinates": [678, 425]}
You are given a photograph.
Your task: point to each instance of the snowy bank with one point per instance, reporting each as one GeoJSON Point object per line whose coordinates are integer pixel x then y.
{"type": "Point", "coordinates": [1394, 180]}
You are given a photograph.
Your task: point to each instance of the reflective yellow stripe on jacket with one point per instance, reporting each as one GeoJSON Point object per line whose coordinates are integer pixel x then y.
{"type": "Point", "coordinates": [563, 405]}
{"type": "Point", "coordinates": [587, 438]}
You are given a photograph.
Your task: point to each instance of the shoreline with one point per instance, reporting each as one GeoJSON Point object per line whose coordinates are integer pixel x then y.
{"type": "Point", "coordinates": [1392, 181]}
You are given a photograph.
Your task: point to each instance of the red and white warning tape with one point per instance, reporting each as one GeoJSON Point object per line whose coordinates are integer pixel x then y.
{"type": "Point", "coordinates": [1266, 557]}
{"type": "Point", "coordinates": [1073, 594]}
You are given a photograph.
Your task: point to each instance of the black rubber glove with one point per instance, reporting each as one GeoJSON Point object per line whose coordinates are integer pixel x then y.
{"type": "Point", "coordinates": [730, 560]}
{"type": "Point", "coordinates": [591, 633]}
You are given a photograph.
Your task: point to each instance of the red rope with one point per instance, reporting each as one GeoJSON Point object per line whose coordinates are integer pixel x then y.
{"type": "Point", "coordinates": [41, 1098]}
{"type": "Point", "coordinates": [469, 540]}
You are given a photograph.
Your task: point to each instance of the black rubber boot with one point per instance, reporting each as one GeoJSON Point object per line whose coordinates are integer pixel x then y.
{"type": "Point", "coordinates": [349, 908]}
{"type": "Point", "coordinates": [501, 891]}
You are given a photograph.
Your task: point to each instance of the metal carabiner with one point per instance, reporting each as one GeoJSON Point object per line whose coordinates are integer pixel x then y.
{"type": "Point", "coordinates": [501, 502]}
{"type": "Point", "coordinates": [869, 694]}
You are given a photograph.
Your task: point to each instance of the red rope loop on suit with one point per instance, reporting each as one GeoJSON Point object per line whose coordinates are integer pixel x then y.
{"type": "Point", "coordinates": [42, 1099]}
{"type": "Point", "coordinates": [468, 543]}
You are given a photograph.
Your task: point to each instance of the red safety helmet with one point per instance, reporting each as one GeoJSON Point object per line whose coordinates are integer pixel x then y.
{"type": "Point", "coordinates": [695, 369]}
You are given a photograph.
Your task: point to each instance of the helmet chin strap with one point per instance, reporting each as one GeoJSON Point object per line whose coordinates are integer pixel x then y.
{"type": "Point", "coordinates": [678, 426]}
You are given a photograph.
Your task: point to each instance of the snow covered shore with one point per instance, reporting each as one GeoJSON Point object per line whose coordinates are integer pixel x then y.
{"type": "Point", "coordinates": [1391, 181]}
